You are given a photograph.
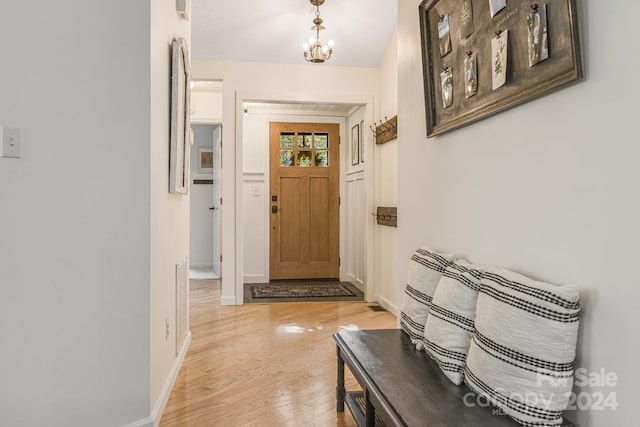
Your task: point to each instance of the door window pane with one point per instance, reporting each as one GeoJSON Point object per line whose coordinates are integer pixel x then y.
{"type": "Point", "coordinates": [321, 140]}
{"type": "Point", "coordinates": [322, 158]}
{"type": "Point", "coordinates": [286, 140]}
{"type": "Point", "coordinates": [304, 140]}
{"type": "Point", "coordinates": [286, 157]}
{"type": "Point", "coordinates": [304, 158]}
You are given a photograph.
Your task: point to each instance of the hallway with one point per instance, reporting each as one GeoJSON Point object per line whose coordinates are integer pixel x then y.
{"type": "Point", "coordinates": [263, 365]}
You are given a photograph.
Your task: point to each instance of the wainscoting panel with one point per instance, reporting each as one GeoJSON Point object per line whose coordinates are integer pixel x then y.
{"type": "Point", "coordinates": [255, 225]}
{"type": "Point", "coordinates": [356, 219]}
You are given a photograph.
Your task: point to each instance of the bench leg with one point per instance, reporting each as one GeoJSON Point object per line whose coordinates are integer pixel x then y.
{"type": "Point", "coordinates": [340, 391]}
{"type": "Point", "coordinates": [370, 411]}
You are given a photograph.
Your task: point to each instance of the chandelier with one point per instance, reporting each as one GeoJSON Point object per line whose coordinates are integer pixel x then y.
{"type": "Point", "coordinates": [315, 51]}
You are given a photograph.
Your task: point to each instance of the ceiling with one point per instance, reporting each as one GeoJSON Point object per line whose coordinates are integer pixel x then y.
{"type": "Point", "coordinates": [274, 31]}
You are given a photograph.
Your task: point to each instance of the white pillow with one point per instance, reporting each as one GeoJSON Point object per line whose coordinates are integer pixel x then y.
{"type": "Point", "coordinates": [522, 352]}
{"type": "Point", "coordinates": [425, 268]}
{"type": "Point", "coordinates": [450, 323]}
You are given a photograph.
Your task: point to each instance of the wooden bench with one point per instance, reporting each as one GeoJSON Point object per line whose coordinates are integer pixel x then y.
{"type": "Point", "coordinates": [402, 386]}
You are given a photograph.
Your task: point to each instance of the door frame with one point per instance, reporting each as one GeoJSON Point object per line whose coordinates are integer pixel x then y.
{"type": "Point", "coordinates": [236, 286]}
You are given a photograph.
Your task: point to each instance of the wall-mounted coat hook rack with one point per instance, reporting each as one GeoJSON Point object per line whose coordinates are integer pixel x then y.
{"type": "Point", "coordinates": [386, 216]}
{"type": "Point", "coordinates": [387, 130]}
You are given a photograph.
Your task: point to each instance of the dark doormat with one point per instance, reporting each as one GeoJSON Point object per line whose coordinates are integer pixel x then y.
{"type": "Point", "coordinates": [301, 291]}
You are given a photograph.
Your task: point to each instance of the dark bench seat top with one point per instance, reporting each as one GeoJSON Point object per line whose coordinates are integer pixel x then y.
{"type": "Point", "coordinates": [407, 385]}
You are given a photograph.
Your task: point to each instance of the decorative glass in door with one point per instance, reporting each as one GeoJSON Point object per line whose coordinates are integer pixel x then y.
{"type": "Point", "coordinates": [304, 149]}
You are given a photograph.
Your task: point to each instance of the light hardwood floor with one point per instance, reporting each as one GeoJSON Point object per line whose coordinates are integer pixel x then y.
{"type": "Point", "coordinates": [263, 364]}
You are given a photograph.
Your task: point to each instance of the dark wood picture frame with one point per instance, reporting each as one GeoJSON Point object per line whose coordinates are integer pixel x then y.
{"type": "Point", "coordinates": [524, 82]}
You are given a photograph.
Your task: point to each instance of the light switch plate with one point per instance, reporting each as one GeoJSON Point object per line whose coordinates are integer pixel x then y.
{"type": "Point", "coordinates": [10, 144]}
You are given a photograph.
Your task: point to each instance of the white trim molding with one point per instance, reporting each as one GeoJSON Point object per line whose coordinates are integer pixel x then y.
{"type": "Point", "coordinates": [388, 305]}
{"type": "Point", "coordinates": [163, 398]}
{"type": "Point", "coordinates": [227, 301]}
{"type": "Point", "coordinates": [145, 422]}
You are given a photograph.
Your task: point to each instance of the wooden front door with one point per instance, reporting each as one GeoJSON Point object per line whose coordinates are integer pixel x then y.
{"type": "Point", "coordinates": [305, 212]}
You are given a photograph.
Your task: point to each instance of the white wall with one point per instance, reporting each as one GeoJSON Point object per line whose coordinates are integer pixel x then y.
{"type": "Point", "coordinates": [386, 182]}
{"type": "Point", "coordinates": [74, 214]}
{"type": "Point", "coordinates": [169, 223]}
{"type": "Point", "coordinates": [206, 107]}
{"type": "Point", "coordinates": [548, 189]}
{"type": "Point", "coordinates": [201, 199]}
{"type": "Point", "coordinates": [268, 82]}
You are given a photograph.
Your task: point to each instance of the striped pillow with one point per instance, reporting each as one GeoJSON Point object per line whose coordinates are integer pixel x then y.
{"type": "Point", "coordinates": [450, 323]}
{"type": "Point", "coordinates": [521, 355]}
{"type": "Point", "coordinates": [425, 268]}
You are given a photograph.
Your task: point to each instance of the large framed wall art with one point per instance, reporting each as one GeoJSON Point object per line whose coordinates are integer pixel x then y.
{"type": "Point", "coordinates": [180, 139]}
{"type": "Point", "coordinates": [484, 56]}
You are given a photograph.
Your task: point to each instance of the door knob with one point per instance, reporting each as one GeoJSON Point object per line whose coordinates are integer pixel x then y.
{"type": "Point", "coordinates": [274, 209]}
{"type": "Point", "coordinates": [212, 208]}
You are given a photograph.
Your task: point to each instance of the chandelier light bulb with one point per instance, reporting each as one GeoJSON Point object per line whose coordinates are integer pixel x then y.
{"type": "Point", "coordinates": [305, 46]}
{"type": "Point", "coordinates": [330, 43]}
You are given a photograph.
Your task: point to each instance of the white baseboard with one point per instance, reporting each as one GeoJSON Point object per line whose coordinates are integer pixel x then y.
{"type": "Point", "coordinates": [257, 278]}
{"type": "Point", "coordinates": [201, 266]}
{"type": "Point", "coordinates": [348, 277]}
{"type": "Point", "coordinates": [388, 305]}
{"type": "Point", "coordinates": [227, 300]}
{"type": "Point", "coordinates": [161, 402]}
{"type": "Point", "coordinates": [146, 422]}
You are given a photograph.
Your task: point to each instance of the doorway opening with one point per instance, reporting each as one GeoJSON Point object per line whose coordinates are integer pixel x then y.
{"type": "Point", "coordinates": [257, 200]}
{"type": "Point", "coordinates": [204, 245]}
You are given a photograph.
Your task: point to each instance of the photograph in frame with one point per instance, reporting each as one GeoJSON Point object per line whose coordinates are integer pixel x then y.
{"type": "Point", "coordinates": [205, 160]}
{"type": "Point", "coordinates": [499, 54]}
{"type": "Point", "coordinates": [466, 16]}
{"type": "Point", "coordinates": [361, 141]}
{"type": "Point", "coordinates": [537, 34]}
{"type": "Point", "coordinates": [355, 148]}
{"type": "Point", "coordinates": [496, 6]}
{"type": "Point", "coordinates": [446, 83]}
{"type": "Point", "coordinates": [444, 34]}
{"type": "Point", "coordinates": [471, 74]}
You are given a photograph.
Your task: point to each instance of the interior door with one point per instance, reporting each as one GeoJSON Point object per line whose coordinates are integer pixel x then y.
{"type": "Point", "coordinates": [217, 157]}
{"type": "Point", "coordinates": [304, 194]}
